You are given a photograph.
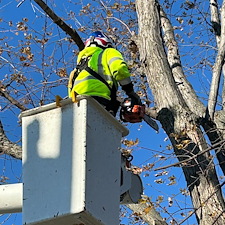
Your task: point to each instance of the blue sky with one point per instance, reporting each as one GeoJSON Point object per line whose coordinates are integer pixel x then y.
{"type": "Point", "coordinates": [152, 147]}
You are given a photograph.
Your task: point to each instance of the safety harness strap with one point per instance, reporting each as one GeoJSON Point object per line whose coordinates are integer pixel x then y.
{"type": "Point", "coordinates": [96, 75]}
{"type": "Point", "coordinates": [83, 65]}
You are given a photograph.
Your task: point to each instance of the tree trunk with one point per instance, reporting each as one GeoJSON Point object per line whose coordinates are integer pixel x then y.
{"type": "Point", "coordinates": [179, 122]}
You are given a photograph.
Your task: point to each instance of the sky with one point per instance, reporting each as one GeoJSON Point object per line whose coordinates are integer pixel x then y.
{"type": "Point", "coordinates": [152, 147]}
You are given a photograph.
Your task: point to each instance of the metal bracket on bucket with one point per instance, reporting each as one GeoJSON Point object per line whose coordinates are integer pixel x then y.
{"type": "Point", "coordinates": [131, 187]}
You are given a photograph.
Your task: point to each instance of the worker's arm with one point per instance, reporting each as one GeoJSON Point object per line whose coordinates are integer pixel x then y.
{"type": "Point", "coordinates": [121, 73]}
{"type": "Point", "coordinates": [117, 65]}
{"type": "Point", "coordinates": [128, 88]}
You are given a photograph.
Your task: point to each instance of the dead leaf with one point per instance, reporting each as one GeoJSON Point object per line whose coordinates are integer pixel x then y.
{"type": "Point", "coordinates": [148, 209]}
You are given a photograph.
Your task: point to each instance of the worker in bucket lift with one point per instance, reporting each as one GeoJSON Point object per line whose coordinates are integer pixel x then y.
{"type": "Point", "coordinates": [100, 68]}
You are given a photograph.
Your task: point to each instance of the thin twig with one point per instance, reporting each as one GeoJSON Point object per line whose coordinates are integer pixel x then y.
{"type": "Point", "coordinates": [203, 203]}
{"type": "Point", "coordinates": [111, 17]}
{"type": "Point", "coordinates": [65, 27]}
{"type": "Point", "coordinates": [20, 3]}
{"type": "Point", "coordinates": [189, 159]}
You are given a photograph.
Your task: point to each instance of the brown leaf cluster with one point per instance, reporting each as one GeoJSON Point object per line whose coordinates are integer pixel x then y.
{"type": "Point", "coordinates": [62, 72]}
{"type": "Point", "coordinates": [130, 143]}
{"type": "Point", "coordinates": [26, 51]}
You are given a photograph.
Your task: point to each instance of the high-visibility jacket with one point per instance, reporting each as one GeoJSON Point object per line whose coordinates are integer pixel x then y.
{"type": "Point", "coordinates": [108, 63]}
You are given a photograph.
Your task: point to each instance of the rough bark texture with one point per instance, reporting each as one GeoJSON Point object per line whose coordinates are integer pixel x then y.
{"type": "Point", "coordinates": [177, 119]}
{"type": "Point", "coordinates": [219, 63]}
{"type": "Point", "coordinates": [148, 213]}
{"type": "Point", "coordinates": [14, 150]}
{"type": "Point", "coordinates": [215, 130]}
{"type": "Point", "coordinates": [8, 147]}
{"type": "Point", "coordinates": [174, 60]}
{"type": "Point", "coordinates": [216, 24]}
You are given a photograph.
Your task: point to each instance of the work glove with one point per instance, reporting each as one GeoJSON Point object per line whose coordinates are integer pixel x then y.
{"type": "Point", "coordinates": [135, 98]}
{"type": "Point", "coordinates": [128, 88]}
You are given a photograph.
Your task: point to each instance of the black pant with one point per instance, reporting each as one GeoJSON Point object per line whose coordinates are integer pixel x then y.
{"type": "Point", "coordinates": [110, 105]}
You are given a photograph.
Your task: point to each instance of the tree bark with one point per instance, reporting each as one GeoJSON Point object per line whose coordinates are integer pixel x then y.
{"type": "Point", "coordinates": [148, 213]}
{"type": "Point", "coordinates": [8, 147]}
{"type": "Point", "coordinates": [177, 119]}
{"type": "Point", "coordinates": [174, 60]}
{"type": "Point", "coordinates": [216, 24]}
{"type": "Point", "coordinates": [217, 69]}
{"type": "Point", "coordinates": [215, 19]}
{"type": "Point", "coordinates": [14, 150]}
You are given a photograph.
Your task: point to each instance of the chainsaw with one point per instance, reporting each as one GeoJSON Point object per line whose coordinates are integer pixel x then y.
{"type": "Point", "coordinates": [132, 113]}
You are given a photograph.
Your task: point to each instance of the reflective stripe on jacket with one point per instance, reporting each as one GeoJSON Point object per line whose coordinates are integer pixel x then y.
{"type": "Point", "coordinates": [108, 63]}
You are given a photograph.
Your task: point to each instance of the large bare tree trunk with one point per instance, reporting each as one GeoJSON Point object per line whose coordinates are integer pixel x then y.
{"type": "Point", "coordinates": [177, 117]}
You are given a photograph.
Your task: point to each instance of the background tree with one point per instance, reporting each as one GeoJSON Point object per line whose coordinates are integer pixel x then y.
{"type": "Point", "coordinates": [148, 32]}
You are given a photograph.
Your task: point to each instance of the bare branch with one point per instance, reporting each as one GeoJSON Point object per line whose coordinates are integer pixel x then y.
{"type": "Point", "coordinates": [223, 93]}
{"type": "Point", "coordinates": [65, 27]}
{"type": "Point", "coordinates": [217, 69]}
{"type": "Point", "coordinates": [8, 147]}
{"type": "Point", "coordinates": [215, 20]}
{"type": "Point", "coordinates": [4, 94]}
{"type": "Point", "coordinates": [109, 17]}
{"type": "Point", "coordinates": [215, 131]}
{"type": "Point", "coordinates": [173, 56]}
{"type": "Point", "coordinates": [153, 57]}
{"type": "Point", "coordinates": [184, 162]}
{"type": "Point", "coordinates": [203, 203]}
{"type": "Point", "coordinates": [20, 3]}
{"type": "Point", "coordinates": [152, 112]}
{"type": "Point", "coordinates": [214, 89]}
{"type": "Point", "coordinates": [216, 24]}
{"type": "Point", "coordinates": [222, 40]}
{"type": "Point", "coordinates": [148, 213]}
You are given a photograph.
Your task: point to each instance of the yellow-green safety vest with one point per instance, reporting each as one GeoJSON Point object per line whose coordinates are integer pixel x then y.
{"type": "Point", "coordinates": [108, 63]}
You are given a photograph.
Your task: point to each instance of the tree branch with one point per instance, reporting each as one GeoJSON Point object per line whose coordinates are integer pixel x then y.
{"type": "Point", "coordinates": [185, 161]}
{"type": "Point", "coordinates": [217, 69]}
{"type": "Point", "coordinates": [8, 147]}
{"type": "Point", "coordinates": [215, 20]}
{"type": "Point", "coordinates": [65, 27]}
{"type": "Point", "coordinates": [214, 89]}
{"type": "Point", "coordinates": [173, 57]}
{"type": "Point", "coordinates": [147, 213]}
{"type": "Point", "coordinates": [151, 112]}
{"type": "Point", "coordinates": [153, 57]}
{"type": "Point", "coordinates": [216, 24]}
{"type": "Point", "coordinates": [4, 94]}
